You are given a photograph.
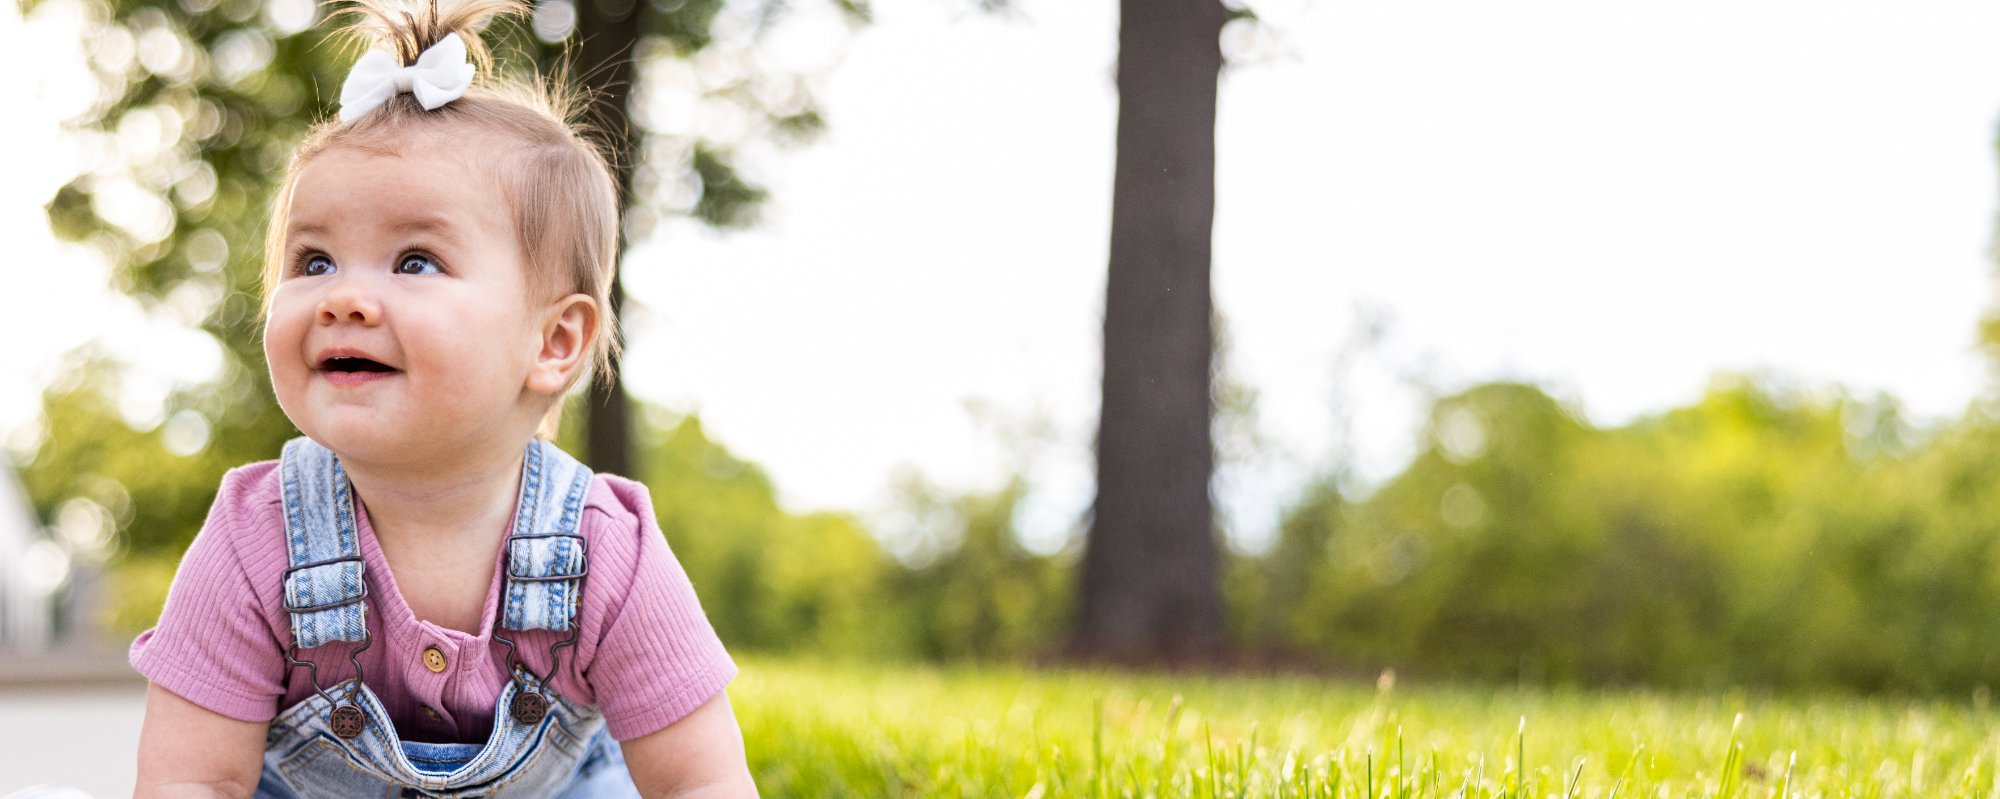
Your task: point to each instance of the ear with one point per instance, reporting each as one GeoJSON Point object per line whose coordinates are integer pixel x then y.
{"type": "Point", "coordinates": [567, 330]}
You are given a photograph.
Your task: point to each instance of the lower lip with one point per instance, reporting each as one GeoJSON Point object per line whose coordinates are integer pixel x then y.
{"type": "Point", "coordinates": [350, 379]}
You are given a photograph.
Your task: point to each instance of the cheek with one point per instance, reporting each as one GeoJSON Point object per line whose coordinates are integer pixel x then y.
{"type": "Point", "coordinates": [468, 353]}
{"type": "Point", "coordinates": [511, 341]}
{"type": "Point", "coordinates": [281, 344]}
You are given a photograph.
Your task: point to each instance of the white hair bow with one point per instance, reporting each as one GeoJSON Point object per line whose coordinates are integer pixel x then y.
{"type": "Point", "coordinates": [441, 75]}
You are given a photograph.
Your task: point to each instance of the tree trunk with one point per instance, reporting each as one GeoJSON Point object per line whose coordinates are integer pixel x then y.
{"type": "Point", "coordinates": [1151, 571]}
{"type": "Point", "coordinates": [607, 33]}
{"type": "Point", "coordinates": [608, 421]}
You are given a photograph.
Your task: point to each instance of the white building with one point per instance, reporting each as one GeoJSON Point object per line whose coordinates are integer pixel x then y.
{"type": "Point", "coordinates": [32, 568]}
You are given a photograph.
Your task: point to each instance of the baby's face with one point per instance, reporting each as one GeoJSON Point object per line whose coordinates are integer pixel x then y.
{"type": "Point", "coordinates": [400, 330]}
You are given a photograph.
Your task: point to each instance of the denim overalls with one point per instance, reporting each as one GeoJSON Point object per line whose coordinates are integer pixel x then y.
{"type": "Point", "coordinates": [341, 743]}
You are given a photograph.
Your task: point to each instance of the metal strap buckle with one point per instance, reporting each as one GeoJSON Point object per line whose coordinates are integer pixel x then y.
{"type": "Point", "coordinates": [344, 724]}
{"type": "Point", "coordinates": [582, 546]}
{"type": "Point", "coordinates": [530, 707]}
{"type": "Point", "coordinates": [340, 603]}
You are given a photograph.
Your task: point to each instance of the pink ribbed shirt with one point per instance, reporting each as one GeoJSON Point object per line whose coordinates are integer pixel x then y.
{"type": "Point", "coordinates": [646, 656]}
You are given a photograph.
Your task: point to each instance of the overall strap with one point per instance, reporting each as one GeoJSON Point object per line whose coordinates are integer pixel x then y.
{"type": "Point", "coordinates": [546, 560]}
{"type": "Point", "coordinates": [325, 593]}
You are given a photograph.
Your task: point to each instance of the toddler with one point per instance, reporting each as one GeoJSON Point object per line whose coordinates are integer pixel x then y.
{"type": "Point", "coordinates": [423, 596]}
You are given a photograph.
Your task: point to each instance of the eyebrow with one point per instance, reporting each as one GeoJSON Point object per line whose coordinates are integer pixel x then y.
{"type": "Point", "coordinates": [426, 224]}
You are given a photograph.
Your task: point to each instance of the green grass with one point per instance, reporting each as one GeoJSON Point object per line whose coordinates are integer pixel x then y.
{"type": "Point", "coordinates": [838, 730]}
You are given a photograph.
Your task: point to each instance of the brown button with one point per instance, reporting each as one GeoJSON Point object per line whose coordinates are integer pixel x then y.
{"type": "Point", "coordinates": [432, 714]}
{"type": "Point", "coordinates": [347, 722]}
{"type": "Point", "coordinates": [434, 659]}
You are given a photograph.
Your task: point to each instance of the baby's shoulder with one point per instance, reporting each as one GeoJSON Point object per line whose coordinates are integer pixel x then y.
{"type": "Point", "coordinates": [248, 501]}
{"type": "Point", "coordinates": [239, 554]}
{"type": "Point", "coordinates": [618, 522]}
{"type": "Point", "coordinates": [617, 513]}
{"type": "Point", "coordinates": [248, 517]}
{"type": "Point", "coordinates": [251, 482]}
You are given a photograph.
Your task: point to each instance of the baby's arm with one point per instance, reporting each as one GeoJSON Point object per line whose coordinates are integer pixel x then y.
{"type": "Point", "coordinates": [699, 756]}
{"type": "Point", "coordinates": [186, 750]}
{"type": "Point", "coordinates": [214, 652]}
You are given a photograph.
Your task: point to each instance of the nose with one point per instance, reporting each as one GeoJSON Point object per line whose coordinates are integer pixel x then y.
{"type": "Point", "coordinates": [349, 302]}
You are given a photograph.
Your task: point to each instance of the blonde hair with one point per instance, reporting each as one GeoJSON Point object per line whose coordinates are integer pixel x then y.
{"type": "Point", "coordinates": [556, 174]}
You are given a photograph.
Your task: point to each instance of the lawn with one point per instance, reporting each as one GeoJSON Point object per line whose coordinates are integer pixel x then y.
{"type": "Point", "coordinates": [829, 729]}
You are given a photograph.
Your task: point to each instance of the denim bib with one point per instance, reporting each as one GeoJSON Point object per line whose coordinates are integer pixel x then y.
{"type": "Point", "coordinates": [341, 742]}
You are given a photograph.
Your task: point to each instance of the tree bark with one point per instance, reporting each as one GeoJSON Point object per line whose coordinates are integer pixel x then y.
{"type": "Point", "coordinates": [1151, 572]}
{"type": "Point", "coordinates": [607, 33]}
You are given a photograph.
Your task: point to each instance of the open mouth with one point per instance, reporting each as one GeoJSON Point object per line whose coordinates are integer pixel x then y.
{"type": "Point", "coordinates": [352, 364]}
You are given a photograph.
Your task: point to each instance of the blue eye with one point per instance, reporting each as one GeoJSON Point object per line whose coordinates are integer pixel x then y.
{"type": "Point", "coordinates": [316, 265]}
{"type": "Point", "coordinates": [417, 263]}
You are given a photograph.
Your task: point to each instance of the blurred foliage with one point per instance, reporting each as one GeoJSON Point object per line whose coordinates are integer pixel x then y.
{"type": "Point", "coordinates": [976, 592]}
{"type": "Point", "coordinates": [1763, 535]}
{"type": "Point", "coordinates": [768, 579]}
{"type": "Point", "coordinates": [88, 449]}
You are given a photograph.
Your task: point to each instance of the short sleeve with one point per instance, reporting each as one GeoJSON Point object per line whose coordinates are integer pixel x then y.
{"type": "Point", "coordinates": [213, 645]}
{"type": "Point", "coordinates": [659, 658]}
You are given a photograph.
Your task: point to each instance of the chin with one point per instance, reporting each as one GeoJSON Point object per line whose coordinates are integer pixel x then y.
{"type": "Point", "coordinates": [425, 443]}
{"type": "Point", "coordinates": [363, 446]}
{"type": "Point", "coordinates": [365, 436]}
{"type": "Point", "coordinates": [397, 434]}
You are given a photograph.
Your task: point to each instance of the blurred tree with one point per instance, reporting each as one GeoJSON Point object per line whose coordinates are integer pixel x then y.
{"type": "Point", "coordinates": [609, 35]}
{"type": "Point", "coordinates": [1762, 535]}
{"type": "Point", "coordinates": [768, 579]}
{"type": "Point", "coordinates": [975, 592]}
{"type": "Point", "coordinates": [1152, 562]}
{"type": "Point", "coordinates": [199, 103]}
{"type": "Point", "coordinates": [1269, 596]}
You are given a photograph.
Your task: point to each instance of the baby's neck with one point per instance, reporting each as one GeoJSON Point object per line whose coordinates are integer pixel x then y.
{"type": "Point", "coordinates": [469, 504]}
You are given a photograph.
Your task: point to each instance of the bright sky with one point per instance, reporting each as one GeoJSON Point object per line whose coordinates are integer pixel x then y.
{"type": "Point", "coordinates": [1617, 200]}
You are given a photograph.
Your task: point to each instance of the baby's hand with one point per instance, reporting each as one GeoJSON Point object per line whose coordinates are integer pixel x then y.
{"type": "Point", "coordinates": [699, 756]}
